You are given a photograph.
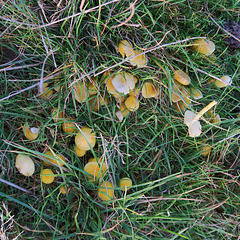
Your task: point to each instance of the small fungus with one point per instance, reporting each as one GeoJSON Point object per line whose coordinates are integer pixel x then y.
{"type": "Point", "coordinates": [124, 82]}
{"type": "Point", "coordinates": [181, 77]}
{"type": "Point", "coordinates": [226, 80]}
{"type": "Point", "coordinates": [25, 165]}
{"type": "Point", "coordinates": [47, 176]}
{"type": "Point", "coordinates": [58, 160]}
{"type": "Point", "coordinates": [195, 93]}
{"type": "Point", "coordinates": [140, 60]}
{"type": "Point", "coordinates": [85, 139]}
{"type": "Point", "coordinates": [80, 91]}
{"type": "Point", "coordinates": [192, 120]}
{"type": "Point", "coordinates": [56, 115]}
{"type": "Point", "coordinates": [106, 191]}
{"type": "Point", "coordinates": [178, 92]}
{"type": "Point", "coordinates": [125, 183]}
{"type": "Point", "coordinates": [125, 48]}
{"type": "Point", "coordinates": [132, 103]}
{"type": "Point", "coordinates": [69, 126]}
{"type": "Point", "coordinates": [63, 190]}
{"type": "Point", "coordinates": [204, 46]}
{"type": "Point", "coordinates": [95, 170]}
{"type": "Point", "coordinates": [206, 150]}
{"type": "Point", "coordinates": [149, 90]}
{"type": "Point", "coordinates": [79, 152]}
{"type": "Point", "coordinates": [30, 133]}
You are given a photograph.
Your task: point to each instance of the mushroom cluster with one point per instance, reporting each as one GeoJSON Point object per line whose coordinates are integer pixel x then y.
{"type": "Point", "coordinates": [137, 57]}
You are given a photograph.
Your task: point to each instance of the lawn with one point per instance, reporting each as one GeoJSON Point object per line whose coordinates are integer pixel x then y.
{"type": "Point", "coordinates": [57, 60]}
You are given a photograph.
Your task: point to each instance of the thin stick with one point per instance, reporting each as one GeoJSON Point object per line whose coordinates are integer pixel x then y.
{"type": "Point", "coordinates": [19, 67]}
{"type": "Point", "coordinates": [14, 185]}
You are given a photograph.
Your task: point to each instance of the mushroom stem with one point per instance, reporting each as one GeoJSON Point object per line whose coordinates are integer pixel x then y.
{"type": "Point", "coordinates": [204, 110]}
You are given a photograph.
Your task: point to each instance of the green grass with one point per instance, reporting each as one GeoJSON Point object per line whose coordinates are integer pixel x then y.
{"type": "Point", "coordinates": [177, 193]}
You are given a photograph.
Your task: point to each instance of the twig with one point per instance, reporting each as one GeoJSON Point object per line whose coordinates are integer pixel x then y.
{"type": "Point", "coordinates": [19, 67]}
{"type": "Point", "coordinates": [14, 185]}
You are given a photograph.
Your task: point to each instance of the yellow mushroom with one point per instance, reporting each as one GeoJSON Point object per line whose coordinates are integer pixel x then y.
{"type": "Point", "coordinates": [206, 150]}
{"type": "Point", "coordinates": [125, 184]}
{"type": "Point", "coordinates": [69, 126]}
{"type": "Point", "coordinates": [180, 107]}
{"type": "Point", "coordinates": [178, 92]}
{"type": "Point", "coordinates": [125, 48]}
{"type": "Point", "coordinates": [85, 139]}
{"type": "Point", "coordinates": [226, 80]}
{"type": "Point", "coordinates": [30, 133]}
{"type": "Point", "coordinates": [56, 115]}
{"type": "Point", "coordinates": [47, 176]}
{"type": "Point", "coordinates": [192, 120]}
{"type": "Point", "coordinates": [79, 152]}
{"type": "Point", "coordinates": [25, 165]}
{"type": "Point", "coordinates": [181, 77]}
{"type": "Point", "coordinates": [204, 46]}
{"type": "Point", "coordinates": [124, 82]}
{"type": "Point", "coordinates": [195, 93]}
{"type": "Point", "coordinates": [98, 101]}
{"type": "Point", "coordinates": [140, 60]}
{"type": "Point", "coordinates": [47, 92]}
{"type": "Point", "coordinates": [106, 191]}
{"type": "Point", "coordinates": [51, 157]}
{"type": "Point", "coordinates": [132, 103]}
{"type": "Point", "coordinates": [63, 190]}
{"type": "Point", "coordinates": [80, 91]}
{"type": "Point", "coordinates": [95, 170]}
{"type": "Point", "coordinates": [94, 160]}
{"type": "Point", "coordinates": [149, 90]}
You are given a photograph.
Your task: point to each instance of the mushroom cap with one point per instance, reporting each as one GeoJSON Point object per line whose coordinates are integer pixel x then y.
{"type": "Point", "coordinates": [180, 107]}
{"type": "Point", "coordinates": [79, 152]}
{"type": "Point", "coordinates": [85, 139]}
{"type": "Point", "coordinates": [194, 127]}
{"type": "Point", "coordinates": [204, 46]}
{"type": "Point", "coordinates": [125, 183]}
{"type": "Point", "coordinates": [80, 91]}
{"type": "Point", "coordinates": [58, 160]}
{"type": "Point", "coordinates": [178, 92]}
{"type": "Point", "coordinates": [206, 150]}
{"type": "Point", "coordinates": [149, 90]}
{"type": "Point", "coordinates": [56, 115]}
{"type": "Point", "coordinates": [94, 160]}
{"type": "Point", "coordinates": [215, 119]}
{"type": "Point", "coordinates": [139, 61]}
{"type": "Point", "coordinates": [106, 191]}
{"type": "Point", "coordinates": [124, 110]}
{"type": "Point", "coordinates": [95, 169]}
{"type": "Point", "coordinates": [195, 93]}
{"type": "Point", "coordinates": [92, 89]}
{"type": "Point", "coordinates": [125, 48]}
{"type": "Point", "coordinates": [47, 92]}
{"type": "Point", "coordinates": [69, 127]}
{"type": "Point", "coordinates": [63, 190]}
{"type": "Point", "coordinates": [25, 165]}
{"type": "Point", "coordinates": [95, 103]}
{"type": "Point", "coordinates": [132, 103]}
{"type": "Point", "coordinates": [30, 133]}
{"type": "Point", "coordinates": [181, 77]}
{"type": "Point", "coordinates": [123, 82]}
{"type": "Point", "coordinates": [227, 81]}
{"type": "Point", "coordinates": [135, 92]}
{"type": "Point", "coordinates": [47, 176]}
